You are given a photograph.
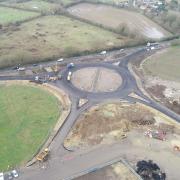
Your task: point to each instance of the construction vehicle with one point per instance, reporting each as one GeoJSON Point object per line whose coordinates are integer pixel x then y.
{"type": "Point", "coordinates": [69, 75]}
{"type": "Point", "coordinates": [53, 78]}
{"type": "Point", "coordinates": [156, 134]}
{"type": "Point", "coordinates": [43, 156]}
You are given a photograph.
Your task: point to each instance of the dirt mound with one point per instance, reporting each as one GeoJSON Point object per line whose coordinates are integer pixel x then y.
{"type": "Point", "coordinates": [107, 123]}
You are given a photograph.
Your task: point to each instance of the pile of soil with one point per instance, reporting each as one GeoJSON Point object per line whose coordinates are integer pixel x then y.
{"type": "Point", "coordinates": [109, 121]}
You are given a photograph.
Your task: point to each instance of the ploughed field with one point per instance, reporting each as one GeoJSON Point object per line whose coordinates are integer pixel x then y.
{"type": "Point", "coordinates": [114, 18]}
{"type": "Point", "coordinates": [28, 114]}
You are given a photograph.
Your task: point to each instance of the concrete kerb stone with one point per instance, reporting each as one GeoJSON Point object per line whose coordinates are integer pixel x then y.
{"type": "Point", "coordinates": [66, 108]}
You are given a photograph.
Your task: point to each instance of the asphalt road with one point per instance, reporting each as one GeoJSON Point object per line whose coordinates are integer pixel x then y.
{"type": "Point", "coordinates": [64, 163]}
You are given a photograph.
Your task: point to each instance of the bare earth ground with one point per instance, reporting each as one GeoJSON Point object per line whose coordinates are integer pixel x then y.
{"type": "Point", "coordinates": [103, 124]}
{"type": "Point", "coordinates": [114, 172]}
{"type": "Point", "coordinates": [109, 123]}
{"type": "Point", "coordinates": [95, 79]}
{"type": "Point", "coordinates": [106, 15]}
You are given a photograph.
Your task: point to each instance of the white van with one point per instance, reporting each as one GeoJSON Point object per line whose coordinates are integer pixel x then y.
{"type": "Point", "coordinates": [103, 52]}
{"type": "Point", "coordinates": [60, 60]}
{"type": "Point", "coordinates": [1, 176]}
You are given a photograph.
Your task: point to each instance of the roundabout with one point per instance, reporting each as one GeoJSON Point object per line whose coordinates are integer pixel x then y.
{"type": "Point", "coordinates": [97, 81]}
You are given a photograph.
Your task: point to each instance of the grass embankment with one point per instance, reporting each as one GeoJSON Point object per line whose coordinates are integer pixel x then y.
{"type": "Point", "coordinates": [27, 116]}
{"type": "Point", "coordinates": [51, 37]}
{"type": "Point", "coordinates": [10, 15]}
{"type": "Point", "coordinates": [165, 64]}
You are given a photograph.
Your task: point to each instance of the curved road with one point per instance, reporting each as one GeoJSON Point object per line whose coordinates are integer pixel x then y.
{"type": "Point", "coordinates": [63, 163]}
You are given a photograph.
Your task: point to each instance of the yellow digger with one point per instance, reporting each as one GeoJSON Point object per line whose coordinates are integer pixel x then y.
{"type": "Point", "coordinates": [43, 156]}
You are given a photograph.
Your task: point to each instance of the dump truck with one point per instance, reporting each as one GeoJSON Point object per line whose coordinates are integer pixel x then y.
{"type": "Point", "coordinates": [43, 156]}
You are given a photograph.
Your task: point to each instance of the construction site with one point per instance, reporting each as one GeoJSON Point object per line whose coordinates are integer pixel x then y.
{"type": "Point", "coordinates": [149, 133]}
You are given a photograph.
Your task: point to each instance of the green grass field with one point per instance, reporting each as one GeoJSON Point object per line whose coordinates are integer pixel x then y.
{"type": "Point", "coordinates": [165, 65]}
{"type": "Point", "coordinates": [37, 5]}
{"type": "Point", "coordinates": [27, 116]}
{"type": "Point", "coordinates": [53, 37]}
{"type": "Point", "coordinates": [10, 15]}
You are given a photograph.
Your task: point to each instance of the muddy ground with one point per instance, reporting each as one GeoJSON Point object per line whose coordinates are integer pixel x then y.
{"type": "Point", "coordinates": [164, 91]}
{"type": "Point", "coordinates": [108, 123]}
{"type": "Point", "coordinates": [126, 124]}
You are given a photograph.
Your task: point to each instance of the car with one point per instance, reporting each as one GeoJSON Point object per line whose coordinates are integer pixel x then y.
{"type": "Point", "coordinates": [14, 173]}
{"type": "Point", "coordinates": [15, 68]}
{"type": "Point", "coordinates": [152, 48]}
{"type": "Point", "coordinates": [70, 65]}
{"type": "Point", "coordinates": [36, 78]}
{"type": "Point", "coordinates": [35, 64]}
{"type": "Point", "coordinates": [60, 60]}
{"type": "Point", "coordinates": [21, 69]}
{"type": "Point", "coordinates": [103, 52]}
{"type": "Point", "coordinates": [1, 176]}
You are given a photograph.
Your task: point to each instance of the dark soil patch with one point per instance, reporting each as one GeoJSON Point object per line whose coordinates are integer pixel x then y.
{"type": "Point", "coordinates": [157, 92]}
